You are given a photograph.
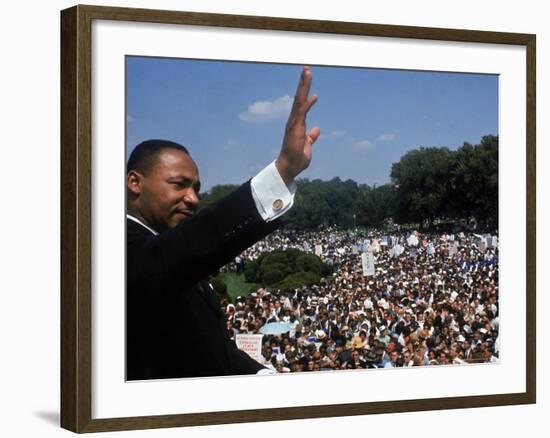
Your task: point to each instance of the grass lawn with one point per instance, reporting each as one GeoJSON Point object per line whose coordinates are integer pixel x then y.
{"type": "Point", "coordinates": [237, 285]}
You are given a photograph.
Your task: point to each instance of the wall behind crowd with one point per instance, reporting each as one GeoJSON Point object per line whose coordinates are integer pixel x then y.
{"type": "Point", "coordinates": [29, 279]}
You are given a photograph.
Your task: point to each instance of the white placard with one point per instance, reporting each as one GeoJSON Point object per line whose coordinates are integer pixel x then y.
{"type": "Point", "coordinates": [430, 249]}
{"type": "Point", "coordinates": [251, 345]}
{"type": "Point", "coordinates": [412, 240]}
{"type": "Point", "coordinates": [397, 250]}
{"type": "Point", "coordinates": [367, 262]}
{"type": "Point", "coordinates": [318, 250]}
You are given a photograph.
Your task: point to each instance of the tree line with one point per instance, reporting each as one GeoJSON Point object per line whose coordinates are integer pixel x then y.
{"type": "Point", "coordinates": [428, 185]}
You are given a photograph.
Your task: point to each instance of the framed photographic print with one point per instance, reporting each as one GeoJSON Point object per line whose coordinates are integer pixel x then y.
{"type": "Point", "coordinates": [217, 246]}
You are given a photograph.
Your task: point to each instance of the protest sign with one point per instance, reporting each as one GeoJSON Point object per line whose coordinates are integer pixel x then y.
{"type": "Point", "coordinates": [396, 251]}
{"type": "Point", "coordinates": [367, 261]}
{"type": "Point", "coordinates": [430, 249]}
{"type": "Point", "coordinates": [412, 240]}
{"type": "Point", "coordinates": [251, 345]}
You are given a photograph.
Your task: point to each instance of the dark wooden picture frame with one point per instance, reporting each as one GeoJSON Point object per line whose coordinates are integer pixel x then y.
{"type": "Point", "coordinates": [76, 218]}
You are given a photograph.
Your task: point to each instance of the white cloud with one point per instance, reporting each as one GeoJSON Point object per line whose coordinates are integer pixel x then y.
{"type": "Point", "coordinates": [363, 145]}
{"type": "Point", "coordinates": [337, 133]}
{"type": "Point", "coordinates": [333, 134]}
{"type": "Point", "coordinates": [386, 137]}
{"type": "Point", "coordinates": [267, 110]}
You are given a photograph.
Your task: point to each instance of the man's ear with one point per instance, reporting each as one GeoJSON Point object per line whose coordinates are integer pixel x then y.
{"type": "Point", "coordinates": [134, 182]}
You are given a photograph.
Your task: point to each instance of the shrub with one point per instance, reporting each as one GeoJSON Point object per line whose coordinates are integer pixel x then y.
{"type": "Point", "coordinates": [275, 268]}
{"type": "Point", "coordinates": [275, 257]}
{"type": "Point", "coordinates": [271, 275]}
{"type": "Point", "coordinates": [309, 263]}
{"type": "Point", "coordinates": [282, 267]}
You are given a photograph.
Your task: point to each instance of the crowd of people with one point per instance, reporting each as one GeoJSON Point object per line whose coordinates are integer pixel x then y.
{"type": "Point", "coordinates": [432, 300]}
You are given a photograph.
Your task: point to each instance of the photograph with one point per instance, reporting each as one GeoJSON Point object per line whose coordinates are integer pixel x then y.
{"type": "Point", "coordinates": [286, 218]}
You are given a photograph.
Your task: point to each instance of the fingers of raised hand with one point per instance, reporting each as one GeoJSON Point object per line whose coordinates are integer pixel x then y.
{"type": "Point", "coordinates": [303, 85]}
{"type": "Point", "coordinates": [302, 103]}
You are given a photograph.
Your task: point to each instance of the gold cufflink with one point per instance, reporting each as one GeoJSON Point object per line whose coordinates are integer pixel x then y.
{"type": "Point", "coordinates": [277, 204]}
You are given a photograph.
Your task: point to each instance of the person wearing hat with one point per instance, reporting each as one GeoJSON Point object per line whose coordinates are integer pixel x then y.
{"type": "Point", "coordinates": [360, 341]}
{"type": "Point", "coordinates": [174, 324]}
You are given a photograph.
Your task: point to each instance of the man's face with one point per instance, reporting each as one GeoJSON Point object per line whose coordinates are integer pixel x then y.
{"type": "Point", "coordinates": [168, 193]}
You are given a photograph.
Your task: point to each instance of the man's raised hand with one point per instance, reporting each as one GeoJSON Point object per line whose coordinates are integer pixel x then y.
{"type": "Point", "coordinates": [296, 150]}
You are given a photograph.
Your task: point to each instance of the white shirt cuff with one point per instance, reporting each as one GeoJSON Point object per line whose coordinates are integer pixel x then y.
{"type": "Point", "coordinates": [270, 193]}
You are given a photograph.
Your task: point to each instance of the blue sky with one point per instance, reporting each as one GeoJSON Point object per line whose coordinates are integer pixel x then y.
{"type": "Point", "coordinates": [231, 115]}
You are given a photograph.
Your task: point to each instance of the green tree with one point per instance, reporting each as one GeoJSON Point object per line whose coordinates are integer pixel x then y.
{"type": "Point", "coordinates": [322, 203]}
{"type": "Point", "coordinates": [216, 193]}
{"type": "Point", "coordinates": [474, 181]}
{"type": "Point", "coordinates": [421, 178]}
{"type": "Point", "coordinates": [375, 205]}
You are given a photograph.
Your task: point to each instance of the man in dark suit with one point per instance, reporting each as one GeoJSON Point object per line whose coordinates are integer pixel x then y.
{"type": "Point", "coordinates": [174, 324]}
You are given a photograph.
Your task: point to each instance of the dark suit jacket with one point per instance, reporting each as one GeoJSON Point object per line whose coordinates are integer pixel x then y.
{"type": "Point", "coordinates": [174, 324]}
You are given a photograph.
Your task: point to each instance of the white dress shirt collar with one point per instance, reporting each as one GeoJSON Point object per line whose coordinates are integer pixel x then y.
{"type": "Point", "coordinates": [135, 219]}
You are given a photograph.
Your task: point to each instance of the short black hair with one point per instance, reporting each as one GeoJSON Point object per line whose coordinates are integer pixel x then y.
{"type": "Point", "coordinates": [144, 154]}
